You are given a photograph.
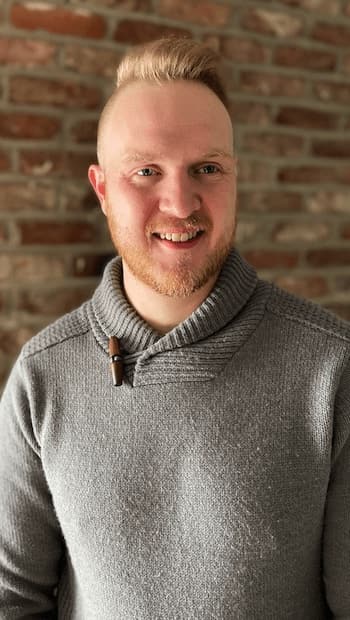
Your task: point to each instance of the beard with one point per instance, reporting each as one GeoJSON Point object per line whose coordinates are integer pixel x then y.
{"type": "Point", "coordinates": [180, 280]}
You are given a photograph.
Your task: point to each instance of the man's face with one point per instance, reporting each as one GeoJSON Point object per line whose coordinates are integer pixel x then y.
{"type": "Point", "coordinates": [167, 184]}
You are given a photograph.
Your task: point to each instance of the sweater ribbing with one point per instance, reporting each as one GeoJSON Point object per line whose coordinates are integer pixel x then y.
{"type": "Point", "coordinates": [213, 484]}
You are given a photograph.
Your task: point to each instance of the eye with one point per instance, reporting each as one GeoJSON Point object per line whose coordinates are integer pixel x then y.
{"type": "Point", "coordinates": [146, 172]}
{"type": "Point", "coordinates": [208, 169]}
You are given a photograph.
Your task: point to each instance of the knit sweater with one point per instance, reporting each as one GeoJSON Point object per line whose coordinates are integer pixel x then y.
{"type": "Point", "coordinates": [212, 485]}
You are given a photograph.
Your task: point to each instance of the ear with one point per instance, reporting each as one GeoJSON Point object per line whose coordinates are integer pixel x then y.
{"type": "Point", "coordinates": [97, 180]}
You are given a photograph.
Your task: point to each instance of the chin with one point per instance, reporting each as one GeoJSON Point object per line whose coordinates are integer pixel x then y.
{"type": "Point", "coordinates": [181, 281]}
{"type": "Point", "coordinates": [180, 285]}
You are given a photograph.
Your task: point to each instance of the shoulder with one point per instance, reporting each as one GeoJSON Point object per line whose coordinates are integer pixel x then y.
{"type": "Point", "coordinates": [307, 313]}
{"type": "Point", "coordinates": [67, 327]}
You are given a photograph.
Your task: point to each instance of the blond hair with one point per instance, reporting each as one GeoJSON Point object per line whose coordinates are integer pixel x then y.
{"type": "Point", "coordinates": [163, 60]}
{"type": "Point", "coordinates": [170, 59]}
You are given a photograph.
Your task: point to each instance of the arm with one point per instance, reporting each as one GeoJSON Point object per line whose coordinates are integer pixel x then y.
{"type": "Point", "coordinates": [30, 540]}
{"type": "Point", "coordinates": [337, 518]}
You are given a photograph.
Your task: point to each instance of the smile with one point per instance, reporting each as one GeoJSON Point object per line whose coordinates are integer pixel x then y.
{"type": "Point", "coordinates": [179, 237]}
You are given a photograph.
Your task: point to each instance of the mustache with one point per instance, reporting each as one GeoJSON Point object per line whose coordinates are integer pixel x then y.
{"type": "Point", "coordinates": [193, 220]}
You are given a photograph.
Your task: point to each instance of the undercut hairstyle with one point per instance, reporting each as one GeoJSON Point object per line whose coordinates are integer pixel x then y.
{"type": "Point", "coordinates": [164, 60]}
{"type": "Point", "coordinates": [172, 59]}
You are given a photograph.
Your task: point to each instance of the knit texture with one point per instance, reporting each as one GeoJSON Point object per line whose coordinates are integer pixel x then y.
{"type": "Point", "coordinates": [213, 484]}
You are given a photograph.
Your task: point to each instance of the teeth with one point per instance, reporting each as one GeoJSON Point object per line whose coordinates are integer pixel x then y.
{"type": "Point", "coordinates": [176, 237]}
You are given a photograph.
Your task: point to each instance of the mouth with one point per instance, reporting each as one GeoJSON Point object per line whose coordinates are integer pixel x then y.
{"type": "Point", "coordinates": [178, 237]}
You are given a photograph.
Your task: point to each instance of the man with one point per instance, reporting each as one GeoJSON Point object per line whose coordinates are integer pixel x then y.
{"type": "Point", "coordinates": [207, 477]}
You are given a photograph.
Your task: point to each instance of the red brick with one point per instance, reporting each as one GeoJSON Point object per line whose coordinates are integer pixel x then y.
{"type": "Point", "coordinates": [5, 369]}
{"type": "Point", "coordinates": [212, 41]}
{"type": "Point", "coordinates": [331, 148]}
{"type": "Point", "coordinates": [341, 283]}
{"type": "Point", "coordinates": [91, 60]}
{"type": "Point", "coordinates": [85, 131]}
{"type": "Point", "coordinates": [271, 84]}
{"type": "Point", "coordinates": [329, 257]}
{"type": "Point", "coordinates": [24, 126]}
{"type": "Point", "coordinates": [243, 50]}
{"type": "Point", "coordinates": [334, 34]}
{"type": "Point", "coordinates": [5, 163]}
{"type": "Point", "coordinates": [77, 164]}
{"type": "Point", "coordinates": [52, 302]}
{"type": "Point", "coordinates": [31, 268]}
{"type": "Point", "coordinates": [137, 31]}
{"type": "Point", "coordinates": [247, 230]}
{"type": "Point", "coordinates": [305, 58]}
{"type": "Point", "coordinates": [13, 339]}
{"type": "Point", "coordinates": [250, 171]}
{"type": "Point", "coordinates": [90, 265]}
{"type": "Point", "coordinates": [277, 23]}
{"type": "Point", "coordinates": [199, 12]}
{"type": "Point", "coordinates": [345, 231]}
{"type": "Point", "coordinates": [307, 174]}
{"type": "Point", "coordinates": [56, 163]}
{"type": "Point", "coordinates": [43, 16]}
{"type": "Point", "coordinates": [347, 9]}
{"type": "Point", "coordinates": [227, 76]}
{"type": "Point", "coordinates": [343, 175]}
{"type": "Point", "coordinates": [121, 5]}
{"type": "Point", "coordinates": [42, 163]}
{"type": "Point", "coordinates": [54, 233]}
{"type": "Point", "coordinates": [308, 232]}
{"type": "Point", "coordinates": [250, 113]}
{"type": "Point", "coordinates": [271, 259]}
{"type": "Point", "coordinates": [270, 202]}
{"type": "Point", "coordinates": [273, 144]}
{"type": "Point", "coordinates": [308, 118]}
{"type": "Point", "coordinates": [329, 202]}
{"type": "Point", "coordinates": [329, 7]}
{"type": "Point", "coordinates": [305, 286]}
{"type": "Point", "coordinates": [313, 174]}
{"type": "Point", "coordinates": [346, 63]}
{"type": "Point", "coordinates": [26, 52]}
{"type": "Point", "coordinates": [331, 91]}
{"type": "Point", "coordinates": [342, 310]}
{"type": "Point", "coordinates": [26, 196]}
{"type": "Point", "coordinates": [58, 93]}
{"type": "Point", "coordinates": [4, 236]}
{"type": "Point", "coordinates": [78, 197]}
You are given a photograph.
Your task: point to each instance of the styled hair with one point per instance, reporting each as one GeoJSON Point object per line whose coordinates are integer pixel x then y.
{"type": "Point", "coordinates": [167, 59]}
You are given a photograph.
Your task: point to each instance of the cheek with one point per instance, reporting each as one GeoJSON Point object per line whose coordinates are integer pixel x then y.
{"type": "Point", "coordinates": [128, 205]}
{"type": "Point", "coordinates": [222, 206]}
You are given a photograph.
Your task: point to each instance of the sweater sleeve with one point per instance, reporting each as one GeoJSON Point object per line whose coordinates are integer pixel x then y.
{"type": "Point", "coordinates": [336, 561]}
{"type": "Point", "coordinates": [30, 540]}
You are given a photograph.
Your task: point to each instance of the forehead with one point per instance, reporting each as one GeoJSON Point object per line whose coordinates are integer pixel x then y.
{"type": "Point", "coordinates": [171, 115]}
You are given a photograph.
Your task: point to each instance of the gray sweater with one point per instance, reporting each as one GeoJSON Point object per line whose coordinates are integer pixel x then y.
{"type": "Point", "coordinates": [213, 484]}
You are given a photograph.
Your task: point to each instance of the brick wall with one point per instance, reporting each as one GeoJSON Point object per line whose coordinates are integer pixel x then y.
{"type": "Point", "coordinates": [288, 66]}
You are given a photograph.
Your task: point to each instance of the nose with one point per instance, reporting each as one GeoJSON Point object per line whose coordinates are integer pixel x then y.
{"type": "Point", "coordinates": [178, 196]}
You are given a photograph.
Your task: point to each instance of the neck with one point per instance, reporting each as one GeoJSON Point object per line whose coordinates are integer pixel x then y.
{"type": "Point", "coordinates": [161, 312]}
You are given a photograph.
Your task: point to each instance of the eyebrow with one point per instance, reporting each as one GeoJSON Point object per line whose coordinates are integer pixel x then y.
{"type": "Point", "coordinates": [148, 156]}
{"type": "Point", "coordinates": [218, 153]}
{"type": "Point", "coordinates": [139, 156]}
